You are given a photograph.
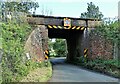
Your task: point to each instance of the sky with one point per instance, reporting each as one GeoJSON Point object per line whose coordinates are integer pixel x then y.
{"type": "Point", "coordinates": [74, 8]}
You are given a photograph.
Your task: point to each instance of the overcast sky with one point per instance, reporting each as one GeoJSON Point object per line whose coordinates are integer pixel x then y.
{"type": "Point", "coordinates": [74, 8]}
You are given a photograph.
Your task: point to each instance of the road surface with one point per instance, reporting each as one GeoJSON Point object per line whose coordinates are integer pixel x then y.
{"type": "Point", "coordinates": [63, 72]}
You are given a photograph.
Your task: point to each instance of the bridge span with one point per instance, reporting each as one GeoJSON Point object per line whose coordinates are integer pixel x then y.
{"type": "Point", "coordinates": [74, 30]}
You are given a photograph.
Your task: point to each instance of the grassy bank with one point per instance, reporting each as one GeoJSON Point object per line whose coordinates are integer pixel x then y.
{"type": "Point", "coordinates": [42, 74]}
{"type": "Point", "coordinates": [109, 67]}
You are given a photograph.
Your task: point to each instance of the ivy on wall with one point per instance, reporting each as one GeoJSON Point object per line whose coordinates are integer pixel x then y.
{"type": "Point", "coordinates": [13, 38]}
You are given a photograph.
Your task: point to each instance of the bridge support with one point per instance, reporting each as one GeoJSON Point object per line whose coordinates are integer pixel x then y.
{"type": "Point", "coordinates": [37, 43]}
{"type": "Point", "coordinates": [75, 46]}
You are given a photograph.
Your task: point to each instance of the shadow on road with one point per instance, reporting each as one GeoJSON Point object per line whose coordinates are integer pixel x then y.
{"type": "Point", "coordinates": [58, 60]}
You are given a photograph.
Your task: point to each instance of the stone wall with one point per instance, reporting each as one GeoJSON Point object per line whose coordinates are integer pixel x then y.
{"type": "Point", "coordinates": [37, 43]}
{"type": "Point", "coordinates": [100, 47]}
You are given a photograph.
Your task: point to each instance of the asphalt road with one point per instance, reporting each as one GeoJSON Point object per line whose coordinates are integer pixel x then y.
{"type": "Point", "coordinates": [63, 72]}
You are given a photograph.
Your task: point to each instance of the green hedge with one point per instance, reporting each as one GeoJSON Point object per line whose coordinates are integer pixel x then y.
{"type": "Point", "coordinates": [14, 35]}
{"type": "Point", "coordinates": [110, 67]}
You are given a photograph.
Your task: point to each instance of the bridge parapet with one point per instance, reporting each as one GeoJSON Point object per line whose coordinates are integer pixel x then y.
{"type": "Point", "coordinates": [50, 20]}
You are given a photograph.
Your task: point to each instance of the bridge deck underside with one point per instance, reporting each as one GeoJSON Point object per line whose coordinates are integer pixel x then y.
{"type": "Point", "coordinates": [62, 33]}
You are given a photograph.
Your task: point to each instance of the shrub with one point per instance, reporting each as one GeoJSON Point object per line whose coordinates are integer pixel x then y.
{"type": "Point", "coordinates": [13, 39]}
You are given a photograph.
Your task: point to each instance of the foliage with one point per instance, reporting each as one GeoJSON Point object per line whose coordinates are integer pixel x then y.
{"type": "Point", "coordinates": [15, 31]}
{"type": "Point", "coordinates": [110, 67]}
{"type": "Point", "coordinates": [33, 65]}
{"type": "Point", "coordinates": [92, 12]}
{"type": "Point", "coordinates": [0, 10]}
{"type": "Point", "coordinates": [59, 47]}
{"type": "Point", "coordinates": [24, 6]}
{"type": "Point", "coordinates": [13, 38]}
{"type": "Point", "coordinates": [14, 66]}
{"type": "Point", "coordinates": [41, 74]}
{"type": "Point", "coordinates": [110, 30]}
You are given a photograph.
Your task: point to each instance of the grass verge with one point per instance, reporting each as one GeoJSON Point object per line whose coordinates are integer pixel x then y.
{"type": "Point", "coordinates": [108, 67]}
{"type": "Point", "coordinates": [42, 74]}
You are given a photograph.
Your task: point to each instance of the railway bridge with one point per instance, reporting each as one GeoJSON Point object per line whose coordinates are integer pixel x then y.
{"type": "Point", "coordinates": [74, 30]}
